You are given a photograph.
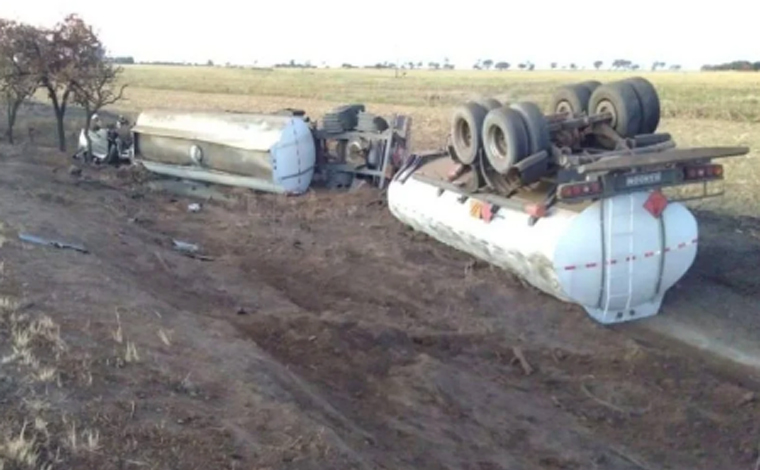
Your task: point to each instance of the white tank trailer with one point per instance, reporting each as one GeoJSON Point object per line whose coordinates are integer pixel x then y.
{"type": "Point", "coordinates": [280, 153]}
{"type": "Point", "coordinates": [570, 201]}
{"type": "Point", "coordinates": [613, 257]}
{"type": "Point", "coordinates": [272, 153]}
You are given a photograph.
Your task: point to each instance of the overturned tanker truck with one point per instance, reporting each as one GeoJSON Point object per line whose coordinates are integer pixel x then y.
{"type": "Point", "coordinates": [283, 152]}
{"type": "Point", "coordinates": [570, 200]}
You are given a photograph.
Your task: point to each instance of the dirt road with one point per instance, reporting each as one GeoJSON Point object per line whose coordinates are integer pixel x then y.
{"type": "Point", "coordinates": [324, 334]}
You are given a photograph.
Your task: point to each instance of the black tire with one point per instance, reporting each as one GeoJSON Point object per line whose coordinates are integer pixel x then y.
{"type": "Point", "coordinates": [650, 104]}
{"type": "Point", "coordinates": [368, 122]}
{"type": "Point", "coordinates": [570, 98]}
{"type": "Point", "coordinates": [591, 85]}
{"type": "Point", "coordinates": [342, 118]}
{"type": "Point", "coordinates": [466, 127]}
{"type": "Point", "coordinates": [489, 103]}
{"type": "Point", "coordinates": [536, 125]}
{"type": "Point", "coordinates": [619, 99]}
{"type": "Point", "coordinates": [505, 138]}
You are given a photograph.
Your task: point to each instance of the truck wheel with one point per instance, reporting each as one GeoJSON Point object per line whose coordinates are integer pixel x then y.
{"type": "Point", "coordinates": [536, 125]}
{"type": "Point", "coordinates": [620, 100]}
{"type": "Point", "coordinates": [466, 127]}
{"type": "Point", "coordinates": [489, 103]}
{"type": "Point", "coordinates": [650, 104]}
{"type": "Point", "coordinates": [505, 138]}
{"type": "Point", "coordinates": [571, 99]}
{"type": "Point", "coordinates": [591, 85]}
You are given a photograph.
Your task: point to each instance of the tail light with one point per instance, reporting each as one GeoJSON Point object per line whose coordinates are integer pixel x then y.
{"type": "Point", "coordinates": [702, 172]}
{"type": "Point", "coordinates": [580, 190]}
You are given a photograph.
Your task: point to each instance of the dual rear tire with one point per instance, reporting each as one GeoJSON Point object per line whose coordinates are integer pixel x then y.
{"type": "Point", "coordinates": [511, 134]}
{"type": "Point", "coordinates": [633, 103]}
{"type": "Point", "coordinates": [506, 134]}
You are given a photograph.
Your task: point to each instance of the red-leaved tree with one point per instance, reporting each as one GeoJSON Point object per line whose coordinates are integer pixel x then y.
{"type": "Point", "coordinates": [64, 56]}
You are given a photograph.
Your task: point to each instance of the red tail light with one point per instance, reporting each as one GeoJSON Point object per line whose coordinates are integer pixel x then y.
{"type": "Point", "coordinates": [578, 190]}
{"type": "Point", "coordinates": [703, 172]}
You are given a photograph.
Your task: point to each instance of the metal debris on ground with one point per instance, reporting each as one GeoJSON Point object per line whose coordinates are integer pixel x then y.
{"type": "Point", "coordinates": [520, 357]}
{"type": "Point", "coordinates": [54, 243]}
{"type": "Point", "coordinates": [190, 249]}
{"type": "Point", "coordinates": [194, 207]}
{"type": "Point", "coordinates": [185, 247]}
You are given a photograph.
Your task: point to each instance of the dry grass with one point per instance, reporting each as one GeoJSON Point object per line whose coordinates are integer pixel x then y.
{"type": "Point", "coordinates": [34, 433]}
{"type": "Point", "coordinates": [730, 96]}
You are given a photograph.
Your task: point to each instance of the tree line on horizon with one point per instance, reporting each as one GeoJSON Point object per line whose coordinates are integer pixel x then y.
{"type": "Point", "coordinates": [485, 64]}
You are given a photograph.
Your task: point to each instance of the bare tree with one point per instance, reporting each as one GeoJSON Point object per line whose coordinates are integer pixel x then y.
{"type": "Point", "coordinates": [95, 89]}
{"type": "Point", "coordinates": [18, 81]}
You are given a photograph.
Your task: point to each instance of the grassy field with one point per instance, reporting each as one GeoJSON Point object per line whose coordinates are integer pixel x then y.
{"type": "Point", "coordinates": [729, 96]}
{"type": "Point", "coordinates": [720, 108]}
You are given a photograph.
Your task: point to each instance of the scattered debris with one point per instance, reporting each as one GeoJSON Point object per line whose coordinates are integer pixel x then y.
{"type": "Point", "coordinates": [54, 243]}
{"type": "Point", "coordinates": [191, 250]}
{"type": "Point", "coordinates": [75, 170]}
{"type": "Point", "coordinates": [558, 355]}
{"type": "Point", "coordinates": [161, 261]}
{"type": "Point", "coordinates": [194, 207]}
{"type": "Point", "coordinates": [185, 247]}
{"type": "Point", "coordinates": [241, 311]}
{"type": "Point", "coordinates": [746, 399]}
{"type": "Point", "coordinates": [611, 406]}
{"type": "Point", "coordinates": [520, 357]}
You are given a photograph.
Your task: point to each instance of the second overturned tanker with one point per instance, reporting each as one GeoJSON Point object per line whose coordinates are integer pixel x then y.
{"type": "Point", "coordinates": [612, 257]}
{"type": "Point", "coordinates": [570, 201]}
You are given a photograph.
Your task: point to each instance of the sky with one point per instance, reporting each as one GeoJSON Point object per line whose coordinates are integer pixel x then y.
{"type": "Point", "coordinates": [369, 31]}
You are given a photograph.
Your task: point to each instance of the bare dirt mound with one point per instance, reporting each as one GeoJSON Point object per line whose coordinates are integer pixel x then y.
{"type": "Point", "coordinates": [321, 334]}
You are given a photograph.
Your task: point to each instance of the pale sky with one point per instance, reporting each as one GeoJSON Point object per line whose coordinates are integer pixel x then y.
{"type": "Point", "coordinates": [336, 31]}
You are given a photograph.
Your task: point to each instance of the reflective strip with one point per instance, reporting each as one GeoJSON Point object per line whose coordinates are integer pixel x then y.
{"type": "Point", "coordinates": [648, 254]}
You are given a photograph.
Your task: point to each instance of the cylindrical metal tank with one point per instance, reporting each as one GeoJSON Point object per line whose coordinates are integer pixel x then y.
{"type": "Point", "coordinates": [612, 257]}
{"type": "Point", "coordinates": [271, 153]}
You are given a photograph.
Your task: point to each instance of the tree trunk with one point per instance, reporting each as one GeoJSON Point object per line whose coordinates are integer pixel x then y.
{"type": "Point", "coordinates": [59, 107]}
{"type": "Point", "coordinates": [61, 130]}
{"type": "Point", "coordinates": [12, 115]}
{"type": "Point", "coordinates": [13, 104]}
{"type": "Point", "coordinates": [9, 113]}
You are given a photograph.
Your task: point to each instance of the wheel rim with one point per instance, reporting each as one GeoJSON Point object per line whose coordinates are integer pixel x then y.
{"type": "Point", "coordinates": [497, 143]}
{"type": "Point", "coordinates": [464, 133]}
{"type": "Point", "coordinates": [605, 106]}
{"type": "Point", "coordinates": [564, 107]}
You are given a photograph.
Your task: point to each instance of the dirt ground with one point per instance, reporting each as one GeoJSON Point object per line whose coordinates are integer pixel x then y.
{"type": "Point", "coordinates": [324, 334]}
